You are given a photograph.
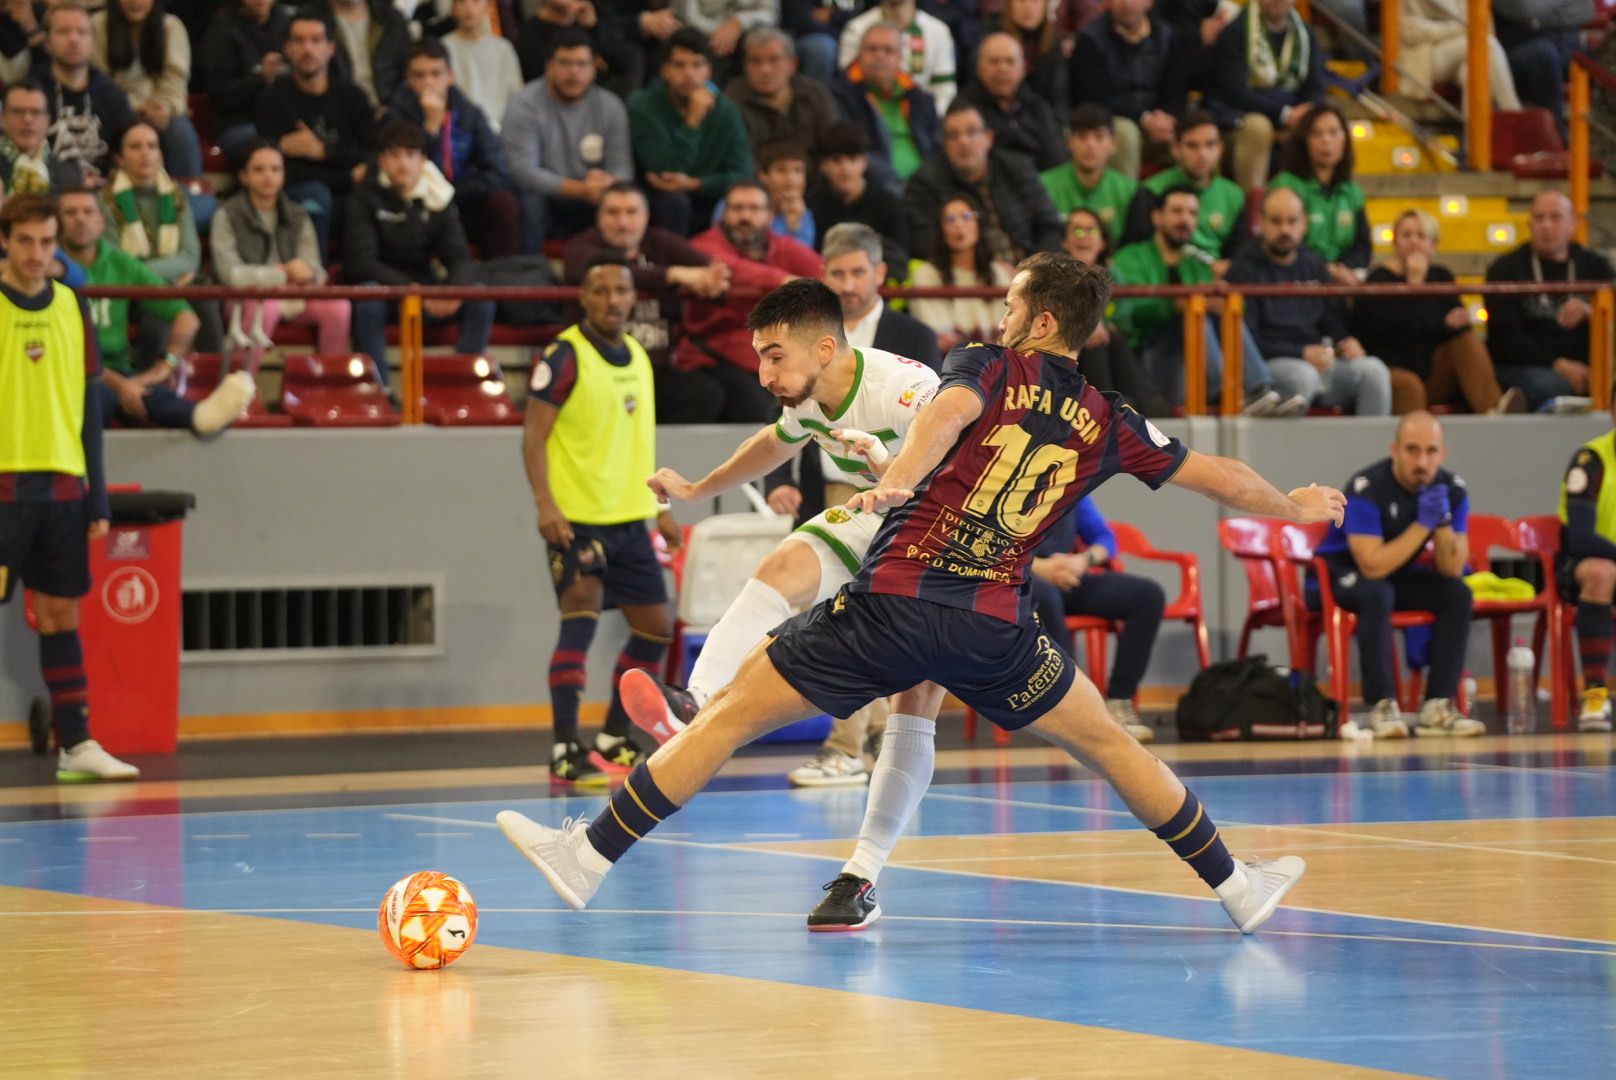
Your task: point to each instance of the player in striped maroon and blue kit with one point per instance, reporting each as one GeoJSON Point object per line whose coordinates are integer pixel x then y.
{"type": "Point", "coordinates": [1014, 437]}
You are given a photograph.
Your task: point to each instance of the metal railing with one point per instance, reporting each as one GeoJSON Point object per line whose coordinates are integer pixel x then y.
{"type": "Point", "coordinates": [1586, 72]}
{"type": "Point", "coordinates": [1198, 300]}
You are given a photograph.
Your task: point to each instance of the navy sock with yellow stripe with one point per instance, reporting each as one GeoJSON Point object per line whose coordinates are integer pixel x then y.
{"type": "Point", "coordinates": [638, 807]}
{"type": "Point", "coordinates": [1194, 838]}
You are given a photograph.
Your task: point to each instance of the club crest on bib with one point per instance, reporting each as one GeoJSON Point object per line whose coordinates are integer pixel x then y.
{"type": "Point", "coordinates": [35, 350]}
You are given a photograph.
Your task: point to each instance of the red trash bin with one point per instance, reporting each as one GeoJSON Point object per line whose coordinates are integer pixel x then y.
{"type": "Point", "coordinates": [130, 624]}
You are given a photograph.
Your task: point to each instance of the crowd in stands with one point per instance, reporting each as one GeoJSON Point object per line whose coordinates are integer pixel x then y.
{"type": "Point", "coordinates": [719, 144]}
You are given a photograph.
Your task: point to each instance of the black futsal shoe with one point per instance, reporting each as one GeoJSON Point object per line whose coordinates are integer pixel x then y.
{"type": "Point", "coordinates": [570, 764]}
{"type": "Point", "coordinates": [618, 753]}
{"type": "Point", "coordinates": [849, 904]}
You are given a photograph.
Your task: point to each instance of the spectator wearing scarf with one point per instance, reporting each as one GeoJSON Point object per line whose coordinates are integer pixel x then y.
{"type": "Point", "coordinates": [899, 117]}
{"type": "Point", "coordinates": [1267, 71]}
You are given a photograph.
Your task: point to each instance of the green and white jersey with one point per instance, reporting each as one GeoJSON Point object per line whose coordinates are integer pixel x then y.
{"type": "Point", "coordinates": [888, 391]}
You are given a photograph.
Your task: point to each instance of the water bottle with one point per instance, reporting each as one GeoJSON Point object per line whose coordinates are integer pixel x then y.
{"type": "Point", "coordinates": [1467, 694]}
{"type": "Point", "coordinates": [1520, 695]}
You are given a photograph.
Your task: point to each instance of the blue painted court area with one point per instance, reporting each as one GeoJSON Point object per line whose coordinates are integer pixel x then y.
{"type": "Point", "coordinates": [1439, 1000]}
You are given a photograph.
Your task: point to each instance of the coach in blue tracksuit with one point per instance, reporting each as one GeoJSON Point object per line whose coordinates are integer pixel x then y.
{"type": "Point", "coordinates": [1403, 547]}
{"type": "Point", "coordinates": [1063, 583]}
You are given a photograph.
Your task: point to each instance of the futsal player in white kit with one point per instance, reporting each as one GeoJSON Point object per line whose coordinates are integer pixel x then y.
{"type": "Point", "coordinates": [856, 405]}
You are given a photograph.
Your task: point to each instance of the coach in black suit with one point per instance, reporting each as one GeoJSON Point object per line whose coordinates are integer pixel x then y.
{"type": "Point", "coordinates": [855, 270]}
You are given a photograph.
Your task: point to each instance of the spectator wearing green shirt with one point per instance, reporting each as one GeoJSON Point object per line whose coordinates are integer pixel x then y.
{"type": "Point", "coordinates": [899, 117]}
{"type": "Point", "coordinates": [1198, 151]}
{"type": "Point", "coordinates": [1086, 182]}
{"type": "Point", "coordinates": [141, 396]}
{"type": "Point", "coordinates": [689, 140]}
{"type": "Point", "coordinates": [1155, 326]}
{"type": "Point", "coordinates": [1318, 167]}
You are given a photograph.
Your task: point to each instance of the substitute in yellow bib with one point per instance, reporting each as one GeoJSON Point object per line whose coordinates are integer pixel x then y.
{"type": "Point", "coordinates": [53, 494]}
{"type": "Point", "coordinates": [589, 442]}
{"type": "Point", "coordinates": [1586, 567]}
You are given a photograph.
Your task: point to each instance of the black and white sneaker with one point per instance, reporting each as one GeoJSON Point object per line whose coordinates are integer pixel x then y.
{"type": "Point", "coordinates": [617, 753]}
{"type": "Point", "coordinates": [849, 904]}
{"type": "Point", "coordinates": [570, 764]}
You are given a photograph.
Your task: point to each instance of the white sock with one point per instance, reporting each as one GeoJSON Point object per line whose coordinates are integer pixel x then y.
{"type": "Point", "coordinates": [759, 609]}
{"type": "Point", "coordinates": [1234, 884]}
{"type": "Point", "coordinates": [592, 860]}
{"type": "Point", "coordinates": [902, 775]}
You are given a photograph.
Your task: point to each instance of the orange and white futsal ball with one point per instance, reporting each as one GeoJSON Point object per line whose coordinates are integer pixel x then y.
{"type": "Point", "coordinates": [427, 920]}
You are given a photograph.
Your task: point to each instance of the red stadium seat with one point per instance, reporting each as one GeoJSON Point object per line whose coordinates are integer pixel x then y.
{"type": "Point", "coordinates": [200, 377]}
{"type": "Point", "coordinates": [334, 391]}
{"type": "Point", "coordinates": [1488, 532]}
{"type": "Point", "coordinates": [465, 391]}
{"type": "Point", "coordinates": [1334, 622]}
{"type": "Point", "coordinates": [1539, 536]}
{"type": "Point", "coordinates": [1095, 631]}
{"type": "Point", "coordinates": [1251, 542]}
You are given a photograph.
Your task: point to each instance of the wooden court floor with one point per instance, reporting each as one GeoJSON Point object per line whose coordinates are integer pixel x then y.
{"type": "Point", "coordinates": [1458, 920]}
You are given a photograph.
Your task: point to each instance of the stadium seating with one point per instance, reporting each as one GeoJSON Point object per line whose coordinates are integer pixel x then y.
{"type": "Point", "coordinates": [200, 377]}
{"type": "Point", "coordinates": [334, 391]}
{"type": "Point", "coordinates": [460, 390]}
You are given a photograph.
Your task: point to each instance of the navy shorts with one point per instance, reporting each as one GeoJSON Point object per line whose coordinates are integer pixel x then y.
{"type": "Point", "coordinates": [856, 647]}
{"type": "Point", "coordinates": [45, 545]}
{"type": "Point", "coordinates": [621, 555]}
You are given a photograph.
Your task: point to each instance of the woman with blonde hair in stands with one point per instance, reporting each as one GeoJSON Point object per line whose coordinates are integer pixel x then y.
{"type": "Point", "coordinates": [263, 238]}
{"type": "Point", "coordinates": [960, 258]}
{"type": "Point", "coordinates": [1435, 355]}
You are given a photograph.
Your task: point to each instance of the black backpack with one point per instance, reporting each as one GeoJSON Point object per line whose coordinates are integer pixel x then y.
{"type": "Point", "coordinates": [1249, 699]}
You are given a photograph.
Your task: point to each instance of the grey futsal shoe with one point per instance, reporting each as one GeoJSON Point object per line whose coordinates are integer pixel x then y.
{"type": "Point", "coordinates": [558, 854]}
{"type": "Point", "coordinates": [1266, 885]}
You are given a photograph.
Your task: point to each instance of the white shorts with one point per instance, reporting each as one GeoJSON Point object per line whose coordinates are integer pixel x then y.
{"type": "Point", "coordinates": [840, 537]}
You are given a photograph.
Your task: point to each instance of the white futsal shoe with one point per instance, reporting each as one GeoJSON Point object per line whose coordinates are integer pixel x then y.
{"type": "Point", "coordinates": [1267, 882]}
{"type": "Point", "coordinates": [1123, 712]}
{"type": "Point", "coordinates": [1386, 720]}
{"type": "Point", "coordinates": [564, 856]}
{"type": "Point", "coordinates": [88, 763]}
{"type": "Point", "coordinates": [1439, 717]}
{"type": "Point", "coordinates": [830, 768]}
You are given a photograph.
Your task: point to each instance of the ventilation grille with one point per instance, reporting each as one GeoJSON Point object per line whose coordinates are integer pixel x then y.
{"type": "Point", "coordinates": [296, 621]}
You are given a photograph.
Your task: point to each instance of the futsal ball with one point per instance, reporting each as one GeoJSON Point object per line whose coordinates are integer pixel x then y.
{"type": "Point", "coordinates": [427, 920]}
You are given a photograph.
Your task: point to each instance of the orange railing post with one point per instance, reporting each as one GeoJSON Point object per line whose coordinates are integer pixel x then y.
{"type": "Point", "coordinates": [1577, 113]}
{"type": "Point", "coordinates": [1479, 88]}
{"type": "Point", "coordinates": [1600, 327]}
{"type": "Point", "coordinates": [1391, 45]}
{"type": "Point", "coordinates": [411, 343]}
{"type": "Point", "coordinates": [1234, 354]}
{"type": "Point", "coordinates": [1195, 355]}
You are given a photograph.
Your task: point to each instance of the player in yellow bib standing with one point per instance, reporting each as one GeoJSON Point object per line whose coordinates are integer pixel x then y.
{"type": "Point", "coordinates": [1585, 569]}
{"type": "Point", "coordinates": [589, 443]}
{"type": "Point", "coordinates": [53, 494]}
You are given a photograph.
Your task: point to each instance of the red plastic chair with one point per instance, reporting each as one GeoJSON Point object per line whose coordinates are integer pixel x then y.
{"type": "Point", "coordinates": [1489, 532]}
{"type": "Point", "coordinates": [1332, 621]}
{"type": "Point", "coordinates": [1251, 542]}
{"type": "Point", "coordinates": [1095, 632]}
{"type": "Point", "coordinates": [465, 391]}
{"type": "Point", "coordinates": [1539, 536]}
{"type": "Point", "coordinates": [1187, 608]}
{"type": "Point", "coordinates": [200, 377]}
{"type": "Point", "coordinates": [334, 391]}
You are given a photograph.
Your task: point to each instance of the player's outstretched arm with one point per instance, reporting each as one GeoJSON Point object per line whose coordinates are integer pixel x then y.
{"type": "Point", "coordinates": [1236, 485]}
{"type": "Point", "coordinates": [930, 438]}
{"type": "Point", "coordinates": [759, 455]}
